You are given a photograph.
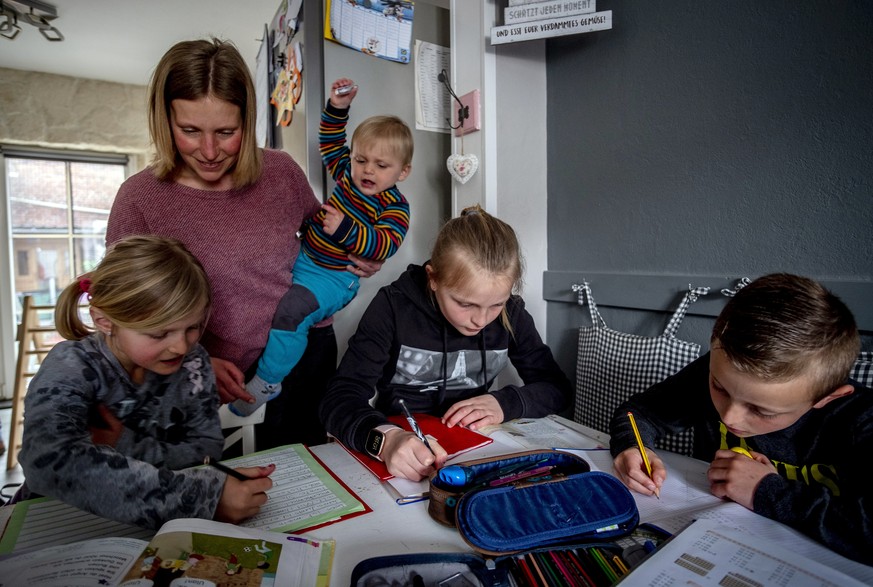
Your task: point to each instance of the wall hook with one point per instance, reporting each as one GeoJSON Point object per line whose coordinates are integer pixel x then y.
{"type": "Point", "coordinates": [463, 111]}
{"type": "Point", "coordinates": [741, 283]}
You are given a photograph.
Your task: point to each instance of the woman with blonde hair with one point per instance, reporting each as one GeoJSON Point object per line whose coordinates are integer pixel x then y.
{"type": "Point", "coordinates": [238, 208]}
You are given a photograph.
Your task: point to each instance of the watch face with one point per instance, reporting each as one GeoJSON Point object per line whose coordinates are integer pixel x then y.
{"type": "Point", "coordinates": [374, 443]}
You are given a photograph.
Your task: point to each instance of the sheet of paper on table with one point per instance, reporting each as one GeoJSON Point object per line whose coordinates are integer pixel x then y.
{"type": "Point", "coordinates": [709, 553]}
{"type": "Point", "coordinates": [685, 497]}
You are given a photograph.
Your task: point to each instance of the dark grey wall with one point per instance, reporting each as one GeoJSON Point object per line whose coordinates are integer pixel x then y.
{"type": "Point", "coordinates": [713, 140]}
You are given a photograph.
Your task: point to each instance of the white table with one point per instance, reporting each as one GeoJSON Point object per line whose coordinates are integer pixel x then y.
{"type": "Point", "coordinates": [388, 529]}
{"type": "Point", "coordinates": [391, 528]}
{"type": "Point", "coordinates": [395, 529]}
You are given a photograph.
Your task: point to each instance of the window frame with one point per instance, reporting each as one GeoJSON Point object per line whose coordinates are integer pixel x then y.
{"type": "Point", "coordinates": [8, 323]}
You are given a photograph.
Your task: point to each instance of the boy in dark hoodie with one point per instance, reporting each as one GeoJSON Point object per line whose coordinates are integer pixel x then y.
{"type": "Point", "coordinates": [773, 410]}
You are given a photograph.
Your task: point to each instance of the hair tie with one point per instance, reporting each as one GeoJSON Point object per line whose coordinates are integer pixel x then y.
{"type": "Point", "coordinates": [84, 285]}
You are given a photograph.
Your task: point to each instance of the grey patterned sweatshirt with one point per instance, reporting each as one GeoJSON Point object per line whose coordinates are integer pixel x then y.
{"type": "Point", "coordinates": [170, 422]}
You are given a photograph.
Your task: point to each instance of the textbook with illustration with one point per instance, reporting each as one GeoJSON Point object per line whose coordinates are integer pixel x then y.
{"type": "Point", "coordinates": [456, 440]}
{"type": "Point", "coordinates": [184, 552]}
{"type": "Point", "coordinates": [305, 495]}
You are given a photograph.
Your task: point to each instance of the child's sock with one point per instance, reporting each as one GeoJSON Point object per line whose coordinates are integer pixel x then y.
{"type": "Point", "coordinates": [261, 391]}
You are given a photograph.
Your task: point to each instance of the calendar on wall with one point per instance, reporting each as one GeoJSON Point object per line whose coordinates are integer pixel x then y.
{"type": "Point", "coordinates": [381, 28]}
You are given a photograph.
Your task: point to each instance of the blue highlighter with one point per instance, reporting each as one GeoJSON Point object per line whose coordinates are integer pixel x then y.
{"type": "Point", "coordinates": [455, 475]}
{"type": "Point", "coordinates": [458, 476]}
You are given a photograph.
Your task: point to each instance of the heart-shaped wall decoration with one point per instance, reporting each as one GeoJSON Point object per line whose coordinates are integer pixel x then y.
{"type": "Point", "coordinates": [462, 167]}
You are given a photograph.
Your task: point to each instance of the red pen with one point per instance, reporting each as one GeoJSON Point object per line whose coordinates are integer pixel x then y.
{"type": "Point", "coordinates": [520, 475]}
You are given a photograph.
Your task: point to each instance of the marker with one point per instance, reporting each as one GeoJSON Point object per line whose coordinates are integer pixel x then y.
{"type": "Point", "coordinates": [643, 451]}
{"type": "Point", "coordinates": [415, 427]}
{"type": "Point", "coordinates": [742, 451]}
{"type": "Point", "coordinates": [343, 90]}
{"type": "Point", "coordinates": [225, 469]}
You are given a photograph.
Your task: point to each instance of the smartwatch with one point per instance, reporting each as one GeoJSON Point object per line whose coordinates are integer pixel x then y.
{"type": "Point", "coordinates": [376, 440]}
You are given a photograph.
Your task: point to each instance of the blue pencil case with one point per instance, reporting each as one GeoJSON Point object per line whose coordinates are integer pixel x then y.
{"type": "Point", "coordinates": [530, 500]}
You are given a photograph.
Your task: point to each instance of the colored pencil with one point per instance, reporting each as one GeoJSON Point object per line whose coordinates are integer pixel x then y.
{"type": "Point", "coordinates": [526, 575]}
{"type": "Point", "coordinates": [536, 567]}
{"type": "Point", "coordinates": [604, 564]}
{"type": "Point", "coordinates": [577, 562]}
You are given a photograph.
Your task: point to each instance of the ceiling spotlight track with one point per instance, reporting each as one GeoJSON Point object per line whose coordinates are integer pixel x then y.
{"type": "Point", "coordinates": [33, 12]}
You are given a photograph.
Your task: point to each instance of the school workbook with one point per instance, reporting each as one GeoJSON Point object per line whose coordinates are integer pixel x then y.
{"type": "Point", "coordinates": [184, 552]}
{"type": "Point", "coordinates": [305, 495]}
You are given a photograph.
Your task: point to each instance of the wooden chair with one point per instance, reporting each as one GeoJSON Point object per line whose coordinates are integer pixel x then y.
{"type": "Point", "coordinates": [34, 341]}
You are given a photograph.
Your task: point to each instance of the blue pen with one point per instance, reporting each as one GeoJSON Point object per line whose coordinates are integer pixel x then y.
{"type": "Point", "coordinates": [415, 427]}
{"type": "Point", "coordinates": [408, 499]}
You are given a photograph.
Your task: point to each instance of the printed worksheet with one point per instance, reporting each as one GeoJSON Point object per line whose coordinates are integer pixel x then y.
{"type": "Point", "coordinates": [708, 553]}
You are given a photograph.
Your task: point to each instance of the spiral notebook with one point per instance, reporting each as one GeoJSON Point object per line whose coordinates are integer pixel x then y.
{"type": "Point", "coordinates": [456, 440]}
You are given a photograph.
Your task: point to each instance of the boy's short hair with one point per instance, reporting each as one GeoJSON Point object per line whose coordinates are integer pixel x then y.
{"type": "Point", "coordinates": [783, 326]}
{"type": "Point", "coordinates": [390, 130]}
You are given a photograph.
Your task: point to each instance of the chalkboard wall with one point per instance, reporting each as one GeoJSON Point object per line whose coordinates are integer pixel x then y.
{"type": "Point", "coordinates": [707, 141]}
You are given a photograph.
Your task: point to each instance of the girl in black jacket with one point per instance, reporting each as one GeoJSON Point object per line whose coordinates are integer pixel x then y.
{"type": "Point", "coordinates": [437, 338]}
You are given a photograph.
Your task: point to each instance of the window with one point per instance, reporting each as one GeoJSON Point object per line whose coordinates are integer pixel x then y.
{"type": "Point", "coordinates": [58, 209]}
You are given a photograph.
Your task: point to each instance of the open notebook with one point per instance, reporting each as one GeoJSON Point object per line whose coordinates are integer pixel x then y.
{"type": "Point", "coordinates": [455, 440]}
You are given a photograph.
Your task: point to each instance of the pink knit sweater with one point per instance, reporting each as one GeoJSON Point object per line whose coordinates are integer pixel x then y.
{"type": "Point", "coordinates": [245, 240]}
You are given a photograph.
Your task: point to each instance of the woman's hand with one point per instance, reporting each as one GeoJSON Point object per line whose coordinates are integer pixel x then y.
{"type": "Point", "coordinates": [474, 412]}
{"type": "Point", "coordinates": [109, 433]}
{"type": "Point", "coordinates": [631, 469]}
{"type": "Point", "coordinates": [736, 476]}
{"type": "Point", "coordinates": [241, 500]}
{"type": "Point", "coordinates": [364, 267]}
{"type": "Point", "coordinates": [407, 457]}
{"type": "Point", "coordinates": [230, 381]}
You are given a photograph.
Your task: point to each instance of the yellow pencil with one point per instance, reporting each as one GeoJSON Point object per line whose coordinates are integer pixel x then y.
{"type": "Point", "coordinates": [742, 451]}
{"type": "Point", "coordinates": [643, 451]}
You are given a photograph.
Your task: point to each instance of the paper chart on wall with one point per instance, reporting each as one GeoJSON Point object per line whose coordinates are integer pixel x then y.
{"type": "Point", "coordinates": [432, 109]}
{"type": "Point", "coordinates": [382, 28]}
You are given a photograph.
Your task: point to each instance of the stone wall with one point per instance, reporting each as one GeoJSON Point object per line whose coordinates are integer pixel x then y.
{"type": "Point", "coordinates": [56, 111]}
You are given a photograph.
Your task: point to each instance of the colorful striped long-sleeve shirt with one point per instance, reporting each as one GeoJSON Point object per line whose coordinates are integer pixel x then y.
{"type": "Point", "coordinates": [373, 227]}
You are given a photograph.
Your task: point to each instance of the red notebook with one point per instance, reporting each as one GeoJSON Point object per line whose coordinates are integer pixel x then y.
{"type": "Point", "coordinates": [455, 440]}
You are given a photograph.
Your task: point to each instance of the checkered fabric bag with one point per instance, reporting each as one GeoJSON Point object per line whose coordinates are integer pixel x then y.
{"type": "Point", "coordinates": [611, 366]}
{"type": "Point", "coordinates": [862, 370]}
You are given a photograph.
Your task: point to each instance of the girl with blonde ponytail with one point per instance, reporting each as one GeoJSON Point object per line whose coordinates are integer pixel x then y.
{"type": "Point", "coordinates": [119, 410]}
